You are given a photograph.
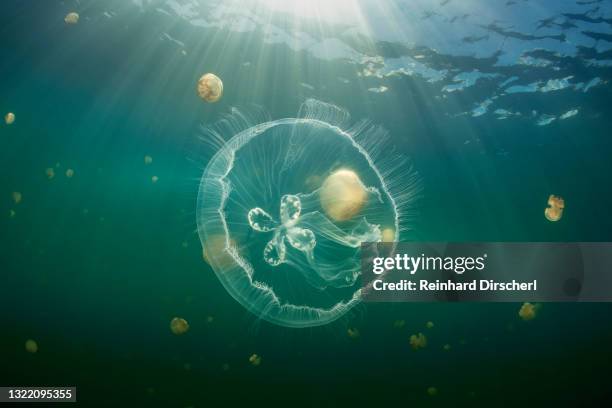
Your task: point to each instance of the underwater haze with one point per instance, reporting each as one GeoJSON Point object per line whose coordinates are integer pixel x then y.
{"type": "Point", "coordinates": [462, 116]}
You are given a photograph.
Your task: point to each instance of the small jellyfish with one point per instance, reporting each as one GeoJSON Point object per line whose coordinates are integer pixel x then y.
{"type": "Point", "coordinates": [50, 172]}
{"type": "Point", "coordinates": [16, 197]}
{"type": "Point", "coordinates": [388, 235]}
{"type": "Point", "coordinates": [210, 87]}
{"type": "Point", "coordinates": [353, 333]}
{"type": "Point", "coordinates": [429, 325]}
{"type": "Point", "coordinates": [71, 18]}
{"type": "Point", "coordinates": [179, 326]}
{"type": "Point", "coordinates": [398, 324]}
{"type": "Point", "coordinates": [12, 213]}
{"type": "Point", "coordinates": [9, 118]}
{"type": "Point", "coordinates": [210, 319]}
{"type": "Point", "coordinates": [148, 159]}
{"type": "Point", "coordinates": [69, 173]}
{"type": "Point", "coordinates": [446, 347]}
{"type": "Point", "coordinates": [432, 391]}
{"type": "Point", "coordinates": [343, 195]}
{"type": "Point", "coordinates": [154, 179]}
{"type": "Point", "coordinates": [554, 211]}
{"type": "Point", "coordinates": [255, 360]}
{"type": "Point", "coordinates": [418, 341]}
{"type": "Point", "coordinates": [31, 346]}
{"type": "Point", "coordinates": [528, 311]}
{"type": "Point", "coordinates": [225, 367]}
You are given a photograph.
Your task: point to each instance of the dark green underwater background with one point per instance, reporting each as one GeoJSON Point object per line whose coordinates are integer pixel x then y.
{"type": "Point", "coordinates": [94, 267]}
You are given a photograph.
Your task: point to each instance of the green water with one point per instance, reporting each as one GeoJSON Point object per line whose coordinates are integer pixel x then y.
{"type": "Point", "coordinates": [95, 266]}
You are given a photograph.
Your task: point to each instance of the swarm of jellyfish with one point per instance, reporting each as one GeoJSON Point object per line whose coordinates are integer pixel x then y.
{"type": "Point", "coordinates": [284, 206]}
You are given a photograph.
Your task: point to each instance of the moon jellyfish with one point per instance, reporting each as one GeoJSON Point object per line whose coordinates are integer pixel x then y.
{"type": "Point", "coordinates": [284, 206]}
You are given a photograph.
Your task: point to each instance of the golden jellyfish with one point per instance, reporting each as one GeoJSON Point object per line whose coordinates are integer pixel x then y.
{"type": "Point", "coordinates": [31, 346]}
{"type": "Point", "coordinates": [210, 87]}
{"type": "Point", "coordinates": [432, 391]}
{"type": "Point", "coordinates": [71, 18]}
{"type": "Point", "coordinates": [69, 173]}
{"type": "Point", "coordinates": [154, 179]}
{"type": "Point", "coordinates": [50, 172]}
{"type": "Point", "coordinates": [554, 211]}
{"type": "Point", "coordinates": [528, 311]}
{"type": "Point", "coordinates": [388, 235]}
{"type": "Point", "coordinates": [16, 197]}
{"type": "Point", "coordinates": [255, 360]}
{"type": "Point", "coordinates": [418, 341]}
{"type": "Point", "coordinates": [343, 195]}
{"type": "Point", "coordinates": [179, 326]}
{"type": "Point", "coordinates": [429, 325]}
{"type": "Point", "coordinates": [9, 118]}
{"type": "Point", "coordinates": [148, 159]}
{"type": "Point", "coordinates": [353, 333]}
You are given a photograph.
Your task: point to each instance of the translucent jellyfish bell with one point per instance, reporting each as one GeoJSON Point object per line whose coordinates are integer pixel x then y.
{"type": "Point", "coordinates": [273, 236]}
